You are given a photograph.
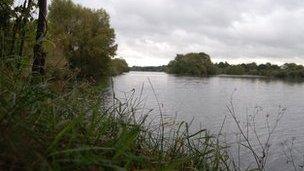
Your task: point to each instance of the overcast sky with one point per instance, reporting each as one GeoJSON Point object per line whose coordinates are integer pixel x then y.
{"type": "Point", "coordinates": [152, 32]}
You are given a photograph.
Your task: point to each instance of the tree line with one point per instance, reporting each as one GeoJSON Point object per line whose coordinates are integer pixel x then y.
{"type": "Point", "coordinates": [161, 68]}
{"type": "Point", "coordinates": [200, 64]}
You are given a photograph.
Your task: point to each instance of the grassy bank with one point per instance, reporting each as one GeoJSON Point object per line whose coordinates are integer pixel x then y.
{"type": "Point", "coordinates": [49, 124]}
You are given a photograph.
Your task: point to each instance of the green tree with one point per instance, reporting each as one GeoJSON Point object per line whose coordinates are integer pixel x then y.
{"type": "Point", "coordinates": [198, 64]}
{"type": "Point", "coordinates": [235, 70]}
{"type": "Point", "coordinates": [86, 36]}
{"type": "Point", "coordinates": [119, 66]}
{"type": "Point", "coordinates": [16, 28]}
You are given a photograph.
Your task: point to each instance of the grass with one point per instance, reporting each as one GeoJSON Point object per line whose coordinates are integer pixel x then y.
{"type": "Point", "coordinates": [50, 124]}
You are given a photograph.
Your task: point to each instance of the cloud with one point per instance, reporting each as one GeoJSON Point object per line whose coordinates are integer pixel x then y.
{"type": "Point", "coordinates": [153, 32]}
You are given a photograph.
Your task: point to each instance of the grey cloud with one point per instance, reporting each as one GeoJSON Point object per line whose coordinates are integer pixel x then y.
{"type": "Point", "coordinates": [152, 32]}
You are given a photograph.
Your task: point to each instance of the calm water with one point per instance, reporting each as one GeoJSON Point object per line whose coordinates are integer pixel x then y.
{"type": "Point", "coordinates": [205, 100]}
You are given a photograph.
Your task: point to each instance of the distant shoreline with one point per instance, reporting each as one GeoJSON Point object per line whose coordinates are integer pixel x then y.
{"type": "Point", "coordinates": [232, 76]}
{"type": "Point", "coordinates": [219, 75]}
{"type": "Point", "coordinates": [240, 76]}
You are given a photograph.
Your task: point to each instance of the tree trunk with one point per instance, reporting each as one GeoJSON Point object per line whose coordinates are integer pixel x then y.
{"type": "Point", "coordinates": [39, 53]}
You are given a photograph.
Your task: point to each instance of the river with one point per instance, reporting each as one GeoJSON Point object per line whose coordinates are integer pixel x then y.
{"type": "Point", "coordinates": [205, 101]}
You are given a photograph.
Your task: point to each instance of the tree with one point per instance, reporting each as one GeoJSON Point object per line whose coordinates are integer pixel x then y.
{"type": "Point", "coordinates": [223, 65]}
{"type": "Point", "coordinates": [198, 64]}
{"type": "Point", "coordinates": [87, 39]}
{"type": "Point", "coordinates": [39, 54]}
{"type": "Point", "coordinates": [14, 28]}
{"type": "Point", "coordinates": [235, 70]}
{"type": "Point", "coordinates": [119, 66]}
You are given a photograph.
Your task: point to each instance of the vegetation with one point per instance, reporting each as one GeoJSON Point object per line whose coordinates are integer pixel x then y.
{"type": "Point", "coordinates": [18, 36]}
{"type": "Point", "coordinates": [286, 71]}
{"type": "Point", "coordinates": [85, 36]}
{"type": "Point", "coordinates": [199, 64]}
{"type": "Point", "coordinates": [149, 68]}
{"type": "Point", "coordinates": [119, 66]}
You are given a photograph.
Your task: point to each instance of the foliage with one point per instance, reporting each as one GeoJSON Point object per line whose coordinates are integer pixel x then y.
{"type": "Point", "coordinates": [119, 66]}
{"type": "Point", "coordinates": [198, 64]}
{"type": "Point", "coordinates": [85, 35]}
{"type": "Point", "coordinates": [286, 71]}
{"type": "Point", "coordinates": [6, 12]}
{"type": "Point", "coordinates": [16, 29]}
{"type": "Point", "coordinates": [149, 68]}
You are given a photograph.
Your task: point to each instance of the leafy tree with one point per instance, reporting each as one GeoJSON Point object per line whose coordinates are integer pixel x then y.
{"type": "Point", "coordinates": [235, 70]}
{"type": "Point", "coordinates": [6, 13]}
{"type": "Point", "coordinates": [192, 63]}
{"type": "Point", "coordinates": [86, 36]}
{"type": "Point", "coordinates": [161, 68]}
{"type": "Point", "coordinates": [119, 66]}
{"type": "Point", "coordinates": [223, 65]}
{"type": "Point", "coordinates": [16, 28]}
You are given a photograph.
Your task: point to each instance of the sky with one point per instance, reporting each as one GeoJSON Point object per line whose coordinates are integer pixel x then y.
{"type": "Point", "coordinates": [152, 32]}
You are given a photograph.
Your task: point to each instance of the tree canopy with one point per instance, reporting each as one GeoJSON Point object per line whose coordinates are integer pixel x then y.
{"type": "Point", "coordinates": [198, 64]}
{"type": "Point", "coordinates": [286, 71]}
{"type": "Point", "coordinates": [87, 39]}
{"type": "Point", "coordinates": [119, 66]}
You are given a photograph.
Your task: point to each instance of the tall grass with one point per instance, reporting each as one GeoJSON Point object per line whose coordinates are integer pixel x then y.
{"type": "Point", "coordinates": [49, 124]}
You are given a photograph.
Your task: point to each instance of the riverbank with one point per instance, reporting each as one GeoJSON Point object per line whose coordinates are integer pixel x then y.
{"type": "Point", "coordinates": [64, 125]}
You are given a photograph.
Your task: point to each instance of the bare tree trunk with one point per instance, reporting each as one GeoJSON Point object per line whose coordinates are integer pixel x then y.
{"type": "Point", "coordinates": [39, 53]}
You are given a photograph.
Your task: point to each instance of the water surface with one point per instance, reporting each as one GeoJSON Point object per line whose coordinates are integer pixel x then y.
{"type": "Point", "coordinates": [205, 100]}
